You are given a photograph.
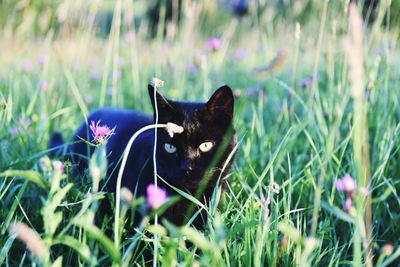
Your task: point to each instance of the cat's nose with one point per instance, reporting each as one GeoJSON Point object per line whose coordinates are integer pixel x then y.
{"type": "Point", "coordinates": [186, 166]}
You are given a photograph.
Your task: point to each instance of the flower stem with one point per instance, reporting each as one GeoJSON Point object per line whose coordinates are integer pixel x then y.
{"type": "Point", "coordinates": [170, 127]}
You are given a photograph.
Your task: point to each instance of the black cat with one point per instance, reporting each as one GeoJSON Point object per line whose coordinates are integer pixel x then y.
{"type": "Point", "coordinates": [192, 161]}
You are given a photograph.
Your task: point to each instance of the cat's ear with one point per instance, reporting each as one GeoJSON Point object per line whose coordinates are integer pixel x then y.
{"type": "Point", "coordinates": [164, 106]}
{"type": "Point", "coordinates": [220, 104]}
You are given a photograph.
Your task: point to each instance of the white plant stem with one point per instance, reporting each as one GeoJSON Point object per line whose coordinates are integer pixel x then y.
{"type": "Point", "coordinates": [169, 127]}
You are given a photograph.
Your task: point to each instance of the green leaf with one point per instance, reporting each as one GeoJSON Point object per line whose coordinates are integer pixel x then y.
{"type": "Point", "coordinates": [57, 262]}
{"type": "Point", "coordinates": [337, 212]}
{"type": "Point", "coordinates": [290, 231]}
{"type": "Point", "coordinates": [11, 211]}
{"type": "Point", "coordinates": [157, 229]}
{"type": "Point", "coordinates": [98, 166]}
{"type": "Point", "coordinates": [82, 249]}
{"type": "Point", "coordinates": [197, 238]}
{"type": "Point", "coordinates": [52, 218]}
{"type": "Point", "coordinates": [98, 235]}
{"type": "Point", "coordinates": [5, 249]}
{"type": "Point", "coordinates": [58, 197]}
{"type": "Point", "coordinates": [28, 175]}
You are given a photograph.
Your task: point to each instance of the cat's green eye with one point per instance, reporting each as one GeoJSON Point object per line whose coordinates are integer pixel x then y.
{"type": "Point", "coordinates": [169, 148]}
{"type": "Point", "coordinates": [206, 146]}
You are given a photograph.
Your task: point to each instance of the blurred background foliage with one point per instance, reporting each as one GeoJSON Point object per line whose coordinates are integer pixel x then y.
{"type": "Point", "coordinates": [33, 18]}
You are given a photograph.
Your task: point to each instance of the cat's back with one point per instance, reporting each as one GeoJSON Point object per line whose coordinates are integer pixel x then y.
{"type": "Point", "coordinates": [120, 118]}
{"type": "Point", "coordinates": [124, 121]}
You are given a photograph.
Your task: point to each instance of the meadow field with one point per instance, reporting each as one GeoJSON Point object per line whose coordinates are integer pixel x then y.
{"type": "Point", "coordinates": [317, 91]}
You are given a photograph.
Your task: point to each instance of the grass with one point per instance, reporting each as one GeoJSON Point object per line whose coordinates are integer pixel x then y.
{"type": "Point", "coordinates": [298, 106]}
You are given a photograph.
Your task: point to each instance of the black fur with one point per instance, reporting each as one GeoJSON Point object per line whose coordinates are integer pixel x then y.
{"type": "Point", "coordinates": [188, 168]}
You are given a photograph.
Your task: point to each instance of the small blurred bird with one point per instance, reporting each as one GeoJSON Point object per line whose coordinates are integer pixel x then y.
{"type": "Point", "coordinates": [274, 67]}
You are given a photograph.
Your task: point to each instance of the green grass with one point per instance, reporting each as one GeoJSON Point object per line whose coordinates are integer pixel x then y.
{"type": "Point", "coordinates": [301, 138]}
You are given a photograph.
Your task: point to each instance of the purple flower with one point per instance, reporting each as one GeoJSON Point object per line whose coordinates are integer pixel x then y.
{"type": "Point", "coordinates": [191, 68]}
{"type": "Point", "coordinates": [15, 130]}
{"type": "Point", "coordinates": [89, 99]}
{"type": "Point", "coordinates": [156, 196]}
{"type": "Point", "coordinates": [129, 37]}
{"type": "Point", "coordinates": [213, 44]}
{"type": "Point", "coordinates": [94, 62]}
{"type": "Point", "coordinates": [43, 59]}
{"type": "Point", "coordinates": [346, 184]}
{"type": "Point", "coordinates": [339, 185]}
{"type": "Point", "coordinates": [27, 65]}
{"type": "Point", "coordinates": [117, 74]}
{"type": "Point", "coordinates": [100, 133]}
{"type": "Point", "coordinates": [241, 53]}
{"type": "Point", "coordinates": [22, 126]}
{"type": "Point", "coordinates": [348, 204]}
{"type": "Point", "coordinates": [120, 61]}
{"type": "Point", "coordinates": [25, 123]}
{"type": "Point", "coordinates": [95, 75]}
{"type": "Point", "coordinates": [44, 85]}
{"type": "Point", "coordinates": [307, 82]}
{"type": "Point", "coordinates": [110, 91]}
{"type": "Point", "coordinates": [76, 66]}
{"type": "Point", "coordinates": [255, 91]}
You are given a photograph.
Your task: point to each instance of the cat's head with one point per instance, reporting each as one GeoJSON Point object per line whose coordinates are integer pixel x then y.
{"type": "Point", "coordinates": [207, 140]}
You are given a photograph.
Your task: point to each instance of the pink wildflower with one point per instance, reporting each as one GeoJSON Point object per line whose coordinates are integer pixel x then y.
{"type": "Point", "coordinates": [76, 66]}
{"type": "Point", "coordinates": [14, 131]}
{"type": "Point", "coordinates": [213, 44]}
{"type": "Point", "coordinates": [27, 65]}
{"type": "Point", "coordinates": [89, 99]}
{"type": "Point", "coordinates": [339, 185]}
{"type": "Point", "coordinates": [23, 125]}
{"type": "Point", "coordinates": [307, 82]}
{"type": "Point", "coordinates": [110, 91]}
{"type": "Point", "coordinates": [100, 133]}
{"type": "Point", "coordinates": [156, 196]}
{"type": "Point", "coordinates": [348, 186]}
{"type": "Point", "coordinates": [349, 183]}
{"type": "Point", "coordinates": [24, 122]}
{"type": "Point", "coordinates": [117, 74]}
{"type": "Point", "coordinates": [44, 85]}
{"type": "Point", "coordinates": [43, 59]}
{"type": "Point", "coordinates": [241, 53]}
{"type": "Point", "coordinates": [58, 167]}
{"type": "Point", "coordinates": [126, 196]}
{"type": "Point", "coordinates": [237, 93]}
{"type": "Point", "coordinates": [348, 204]}
{"type": "Point", "coordinates": [129, 37]}
{"type": "Point", "coordinates": [191, 68]}
{"type": "Point", "coordinates": [95, 75]}
{"type": "Point", "coordinates": [120, 61]}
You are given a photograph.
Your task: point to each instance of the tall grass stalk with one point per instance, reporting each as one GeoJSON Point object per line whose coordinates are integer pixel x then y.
{"type": "Point", "coordinates": [314, 86]}
{"type": "Point", "coordinates": [116, 22]}
{"type": "Point", "coordinates": [117, 33]}
{"type": "Point", "coordinates": [355, 55]}
{"type": "Point", "coordinates": [315, 90]}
